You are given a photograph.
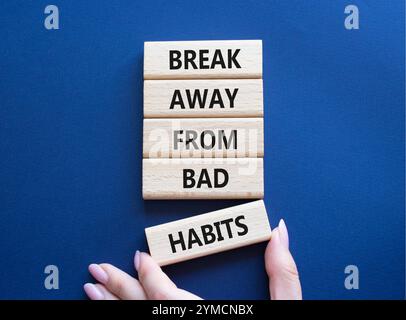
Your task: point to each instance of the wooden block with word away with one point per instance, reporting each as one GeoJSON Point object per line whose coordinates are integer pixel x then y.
{"type": "Point", "coordinates": [209, 233]}
{"type": "Point", "coordinates": [212, 178]}
{"type": "Point", "coordinates": [203, 137]}
{"type": "Point", "coordinates": [203, 59]}
{"type": "Point", "coordinates": [203, 98]}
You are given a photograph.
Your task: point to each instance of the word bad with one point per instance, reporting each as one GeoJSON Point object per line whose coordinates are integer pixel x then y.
{"type": "Point", "coordinates": [200, 99]}
{"type": "Point", "coordinates": [210, 233]}
{"type": "Point", "coordinates": [203, 178]}
{"type": "Point", "coordinates": [200, 59]}
{"type": "Point", "coordinates": [189, 180]}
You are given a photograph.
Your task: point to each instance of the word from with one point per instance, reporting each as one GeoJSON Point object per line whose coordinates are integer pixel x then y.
{"type": "Point", "coordinates": [190, 138]}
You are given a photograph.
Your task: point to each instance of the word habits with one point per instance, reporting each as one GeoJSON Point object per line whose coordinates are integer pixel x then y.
{"type": "Point", "coordinates": [209, 233]}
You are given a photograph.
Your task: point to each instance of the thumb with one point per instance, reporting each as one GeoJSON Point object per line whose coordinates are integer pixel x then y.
{"type": "Point", "coordinates": [284, 283]}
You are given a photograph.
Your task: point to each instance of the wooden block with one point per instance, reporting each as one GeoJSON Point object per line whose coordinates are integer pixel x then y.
{"type": "Point", "coordinates": [203, 59]}
{"type": "Point", "coordinates": [203, 98]}
{"type": "Point", "coordinates": [209, 233]}
{"type": "Point", "coordinates": [203, 138]}
{"type": "Point", "coordinates": [213, 178]}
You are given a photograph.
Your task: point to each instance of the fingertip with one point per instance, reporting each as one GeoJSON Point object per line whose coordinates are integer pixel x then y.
{"type": "Point", "coordinates": [283, 233]}
{"type": "Point", "coordinates": [107, 294]}
{"type": "Point", "coordinates": [274, 240]}
{"type": "Point", "coordinates": [98, 273]}
{"type": "Point", "coordinates": [145, 261]}
{"type": "Point", "coordinates": [93, 292]}
{"type": "Point", "coordinates": [281, 268]}
{"type": "Point", "coordinates": [270, 247]}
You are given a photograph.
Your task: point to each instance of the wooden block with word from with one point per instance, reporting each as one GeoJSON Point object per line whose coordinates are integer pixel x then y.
{"type": "Point", "coordinates": [203, 137]}
{"type": "Point", "coordinates": [203, 98]}
{"type": "Point", "coordinates": [203, 59]}
{"type": "Point", "coordinates": [210, 178]}
{"type": "Point", "coordinates": [209, 233]}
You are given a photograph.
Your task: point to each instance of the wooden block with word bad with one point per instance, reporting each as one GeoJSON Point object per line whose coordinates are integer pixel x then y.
{"type": "Point", "coordinates": [203, 137]}
{"type": "Point", "coordinates": [210, 178]}
{"type": "Point", "coordinates": [203, 98]}
{"type": "Point", "coordinates": [203, 59]}
{"type": "Point", "coordinates": [209, 233]}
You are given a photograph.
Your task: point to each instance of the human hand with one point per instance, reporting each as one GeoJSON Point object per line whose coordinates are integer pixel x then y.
{"type": "Point", "coordinates": [154, 284]}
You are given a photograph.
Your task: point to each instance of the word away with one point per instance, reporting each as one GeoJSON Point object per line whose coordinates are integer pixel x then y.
{"type": "Point", "coordinates": [199, 99]}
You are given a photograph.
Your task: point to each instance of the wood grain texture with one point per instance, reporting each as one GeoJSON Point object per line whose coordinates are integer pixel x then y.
{"type": "Point", "coordinates": [157, 60]}
{"type": "Point", "coordinates": [199, 236]}
{"type": "Point", "coordinates": [165, 178]}
{"type": "Point", "coordinates": [203, 138]}
{"type": "Point", "coordinates": [203, 98]}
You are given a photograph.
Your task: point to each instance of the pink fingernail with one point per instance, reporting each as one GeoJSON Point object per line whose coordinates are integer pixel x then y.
{"type": "Point", "coordinates": [283, 233]}
{"type": "Point", "coordinates": [137, 260]}
{"type": "Point", "coordinates": [93, 292]}
{"type": "Point", "coordinates": [98, 273]}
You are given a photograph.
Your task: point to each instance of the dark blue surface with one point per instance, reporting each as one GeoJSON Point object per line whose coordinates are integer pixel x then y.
{"type": "Point", "coordinates": [71, 139]}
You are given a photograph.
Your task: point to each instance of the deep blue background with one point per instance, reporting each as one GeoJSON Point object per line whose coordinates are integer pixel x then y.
{"type": "Point", "coordinates": [71, 139]}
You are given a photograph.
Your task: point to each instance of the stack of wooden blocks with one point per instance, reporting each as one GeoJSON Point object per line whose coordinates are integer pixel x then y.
{"type": "Point", "coordinates": [204, 139]}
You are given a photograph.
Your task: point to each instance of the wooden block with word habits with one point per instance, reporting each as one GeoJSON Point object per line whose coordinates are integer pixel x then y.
{"type": "Point", "coordinates": [209, 233]}
{"type": "Point", "coordinates": [203, 98]}
{"type": "Point", "coordinates": [203, 137]}
{"type": "Point", "coordinates": [203, 59]}
{"type": "Point", "coordinates": [209, 178]}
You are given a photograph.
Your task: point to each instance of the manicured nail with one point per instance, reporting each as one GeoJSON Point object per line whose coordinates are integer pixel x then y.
{"type": "Point", "coordinates": [98, 273]}
{"type": "Point", "coordinates": [93, 292]}
{"type": "Point", "coordinates": [137, 260]}
{"type": "Point", "coordinates": [283, 233]}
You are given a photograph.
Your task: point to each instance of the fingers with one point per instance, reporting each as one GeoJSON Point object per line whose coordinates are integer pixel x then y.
{"type": "Point", "coordinates": [118, 283]}
{"type": "Point", "coordinates": [155, 282]}
{"type": "Point", "coordinates": [93, 292]}
{"type": "Point", "coordinates": [106, 293]}
{"type": "Point", "coordinates": [98, 292]}
{"type": "Point", "coordinates": [284, 283]}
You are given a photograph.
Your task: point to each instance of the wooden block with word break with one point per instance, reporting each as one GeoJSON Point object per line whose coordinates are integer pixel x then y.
{"type": "Point", "coordinates": [203, 98]}
{"type": "Point", "coordinates": [203, 59]}
{"type": "Point", "coordinates": [209, 233]}
{"type": "Point", "coordinates": [210, 178]}
{"type": "Point", "coordinates": [203, 138]}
